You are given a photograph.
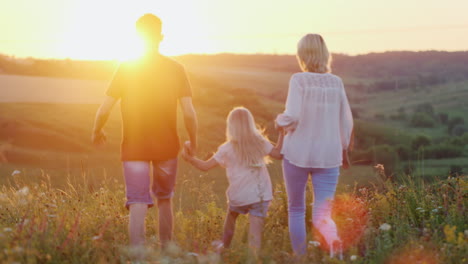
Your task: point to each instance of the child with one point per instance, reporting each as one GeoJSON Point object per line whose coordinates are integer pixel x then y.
{"type": "Point", "coordinates": [244, 155]}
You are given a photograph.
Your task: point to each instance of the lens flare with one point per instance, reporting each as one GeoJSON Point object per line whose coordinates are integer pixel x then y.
{"type": "Point", "coordinates": [351, 215]}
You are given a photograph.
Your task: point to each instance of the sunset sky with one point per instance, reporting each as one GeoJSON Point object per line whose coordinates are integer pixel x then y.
{"type": "Point", "coordinates": [104, 29]}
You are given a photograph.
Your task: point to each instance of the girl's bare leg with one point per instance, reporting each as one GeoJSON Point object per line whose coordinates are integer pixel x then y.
{"type": "Point", "coordinates": [229, 227]}
{"type": "Point", "coordinates": [255, 233]}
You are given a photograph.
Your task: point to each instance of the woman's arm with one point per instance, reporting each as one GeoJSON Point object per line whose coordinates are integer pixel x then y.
{"type": "Point", "coordinates": [276, 151]}
{"type": "Point", "coordinates": [290, 117]}
{"type": "Point", "coordinates": [198, 163]}
{"type": "Point", "coordinates": [294, 99]}
{"type": "Point", "coordinates": [346, 121]}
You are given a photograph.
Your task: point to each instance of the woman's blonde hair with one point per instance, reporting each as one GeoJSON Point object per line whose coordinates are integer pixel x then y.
{"type": "Point", "coordinates": [313, 55]}
{"type": "Point", "coordinates": [247, 140]}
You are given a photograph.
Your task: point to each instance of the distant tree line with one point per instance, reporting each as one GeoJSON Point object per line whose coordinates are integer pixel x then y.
{"type": "Point", "coordinates": [66, 68]}
{"type": "Point", "coordinates": [391, 70]}
{"type": "Point", "coordinates": [381, 144]}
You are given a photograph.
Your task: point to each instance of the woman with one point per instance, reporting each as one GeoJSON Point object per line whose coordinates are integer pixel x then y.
{"type": "Point", "coordinates": [318, 122]}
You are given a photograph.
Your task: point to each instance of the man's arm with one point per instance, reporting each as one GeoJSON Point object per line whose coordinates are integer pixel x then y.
{"type": "Point", "coordinates": [191, 122]}
{"type": "Point", "coordinates": [102, 115]}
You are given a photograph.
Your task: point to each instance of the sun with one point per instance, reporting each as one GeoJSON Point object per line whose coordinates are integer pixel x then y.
{"type": "Point", "coordinates": [132, 47]}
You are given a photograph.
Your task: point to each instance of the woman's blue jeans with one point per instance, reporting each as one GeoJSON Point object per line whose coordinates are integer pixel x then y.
{"type": "Point", "coordinates": [324, 183]}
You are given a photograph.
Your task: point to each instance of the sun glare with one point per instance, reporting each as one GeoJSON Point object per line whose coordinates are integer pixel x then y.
{"type": "Point", "coordinates": [132, 48]}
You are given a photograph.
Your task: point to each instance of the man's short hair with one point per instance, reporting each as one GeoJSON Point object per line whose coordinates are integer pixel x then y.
{"type": "Point", "coordinates": [149, 23]}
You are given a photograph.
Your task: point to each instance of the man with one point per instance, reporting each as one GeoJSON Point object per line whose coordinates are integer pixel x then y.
{"type": "Point", "coordinates": [149, 89]}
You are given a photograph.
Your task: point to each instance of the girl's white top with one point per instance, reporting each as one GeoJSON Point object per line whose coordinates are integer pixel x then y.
{"type": "Point", "coordinates": [248, 184]}
{"type": "Point", "coordinates": [319, 121]}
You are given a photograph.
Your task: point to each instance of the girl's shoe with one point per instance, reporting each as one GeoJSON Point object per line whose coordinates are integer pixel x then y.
{"type": "Point", "coordinates": [218, 246]}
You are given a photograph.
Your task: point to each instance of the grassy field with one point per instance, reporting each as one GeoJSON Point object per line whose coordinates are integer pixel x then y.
{"type": "Point", "coordinates": [391, 222]}
{"type": "Point", "coordinates": [450, 97]}
{"type": "Point", "coordinates": [56, 137]}
{"type": "Point", "coordinates": [61, 198]}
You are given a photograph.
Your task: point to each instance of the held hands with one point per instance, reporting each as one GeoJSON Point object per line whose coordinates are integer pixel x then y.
{"type": "Point", "coordinates": [187, 151]}
{"type": "Point", "coordinates": [98, 138]}
{"type": "Point", "coordinates": [190, 148]}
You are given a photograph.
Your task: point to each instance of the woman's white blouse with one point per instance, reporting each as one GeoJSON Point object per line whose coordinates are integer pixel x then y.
{"type": "Point", "coordinates": [319, 111]}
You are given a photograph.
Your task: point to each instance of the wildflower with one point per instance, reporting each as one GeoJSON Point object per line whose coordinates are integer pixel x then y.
{"type": "Point", "coordinates": [385, 227]}
{"type": "Point", "coordinates": [449, 232]}
{"type": "Point", "coordinates": [7, 229]}
{"type": "Point", "coordinates": [420, 210]}
{"type": "Point", "coordinates": [15, 172]}
{"type": "Point", "coordinates": [23, 191]}
{"type": "Point", "coordinates": [314, 243]}
{"type": "Point", "coordinates": [353, 258]}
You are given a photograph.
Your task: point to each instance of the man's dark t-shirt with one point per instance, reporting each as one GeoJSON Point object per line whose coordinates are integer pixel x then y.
{"type": "Point", "coordinates": [149, 90]}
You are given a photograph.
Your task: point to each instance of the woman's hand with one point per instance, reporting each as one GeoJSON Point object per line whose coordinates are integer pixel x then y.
{"type": "Point", "coordinates": [346, 161]}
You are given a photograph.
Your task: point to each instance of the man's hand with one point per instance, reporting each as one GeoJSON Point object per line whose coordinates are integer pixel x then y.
{"type": "Point", "coordinates": [98, 138]}
{"type": "Point", "coordinates": [185, 156]}
{"type": "Point", "coordinates": [189, 148]}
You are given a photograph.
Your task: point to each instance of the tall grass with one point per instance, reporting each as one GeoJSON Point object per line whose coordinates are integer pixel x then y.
{"type": "Point", "coordinates": [392, 222]}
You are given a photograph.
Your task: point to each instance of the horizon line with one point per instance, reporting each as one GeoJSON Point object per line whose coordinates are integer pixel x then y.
{"type": "Point", "coordinates": [229, 53]}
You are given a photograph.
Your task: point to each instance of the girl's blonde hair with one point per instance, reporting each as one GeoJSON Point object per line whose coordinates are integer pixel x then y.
{"type": "Point", "coordinates": [247, 140]}
{"type": "Point", "coordinates": [313, 55]}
